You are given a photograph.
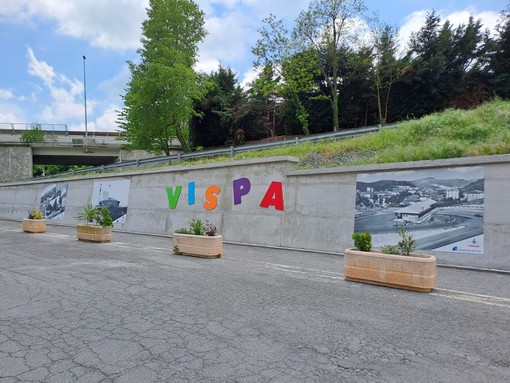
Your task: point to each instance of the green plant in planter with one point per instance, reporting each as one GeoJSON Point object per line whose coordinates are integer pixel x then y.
{"type": "Point", "coordinates": [362, 241]}
{"type": "Point", "coordinates": [35, 214]}
{"type": "Point", "coordinates": [97, 216]}
{"type": "Point", "coordinates": [199, 227]}
{"type": "Point", "coordinates": [87, 214]}
{"type": "Point", "coordinates": [210, 229]}
{"type": "Point", "coordinates": [405, 246]}
{"type": "Point", "coordinates": [103, 217]}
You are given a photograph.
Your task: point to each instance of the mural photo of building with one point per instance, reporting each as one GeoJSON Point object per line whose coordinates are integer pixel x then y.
{"type": "Point", "coordinates": [53, 200]}
{"type": "Point", "coordinates": [441, 208]}
{"type": "Point", "coordinates": [114, 195]}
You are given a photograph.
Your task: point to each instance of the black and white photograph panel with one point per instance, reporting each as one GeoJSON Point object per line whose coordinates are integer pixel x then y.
{"type": "Point", "coordinates": [114, 195]}
{"type": "Point", "coordinates": [53, 200]}
{"type": "Point", "coordinates": [442, 208]}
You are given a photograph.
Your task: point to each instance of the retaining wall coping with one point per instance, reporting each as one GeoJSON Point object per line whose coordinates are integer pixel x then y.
{"type": "Point", "coordinates": [411, 165]}
{"type": "Point", "coordinates": [169, 169]}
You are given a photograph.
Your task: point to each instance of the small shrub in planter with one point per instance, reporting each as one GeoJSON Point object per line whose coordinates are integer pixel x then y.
{"type": "Point", "coordinates": [200, 239]}
{"type": "Point", "coordinates": [35, 223]}
{"type": "Point", "coordinates": [362, 241]}
{"type": "Point", "coordinates": [97, 226]}
{"type": "Point", "coordinates": [391, 266]}
{"type": "Point", "coordinates": [35, 214]}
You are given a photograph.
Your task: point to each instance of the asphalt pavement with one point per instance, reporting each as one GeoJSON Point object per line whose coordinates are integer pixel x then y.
{"type": "Point", "coordinates": [132, 311]}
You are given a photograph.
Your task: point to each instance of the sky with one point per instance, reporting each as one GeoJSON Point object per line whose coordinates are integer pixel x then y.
{"type": "Point", "coordinates": [43, 42]}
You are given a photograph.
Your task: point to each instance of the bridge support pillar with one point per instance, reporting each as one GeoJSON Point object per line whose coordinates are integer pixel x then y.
{"type": "Point", "coordinates": [15, 162]}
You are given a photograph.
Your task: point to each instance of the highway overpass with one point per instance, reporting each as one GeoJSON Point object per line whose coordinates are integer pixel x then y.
{"type": "Point", "coordinates": [60, 147]}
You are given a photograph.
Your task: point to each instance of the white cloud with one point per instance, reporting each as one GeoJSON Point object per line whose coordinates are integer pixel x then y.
{"type": "Point", "coordinates": [489, 19]}
{"type": "Point", "coordinates": [106, 122]}
{"type": "Point", "coordinates": [232, 30]}
{"type": "Point", "coordinates": [207, 65]}
{"type": "Point", "coordinates": [116, 85]}
{"type": "Point", "coordinates": [416, 20]}
{"type": "Point", "coordinates": [6, 94]}
{"type": "Point", "coordinates": [39, 68]}
{"type": "Point", "coordinates": [10, 113]}
{"type": "Point", "coordinates": [112, 24]}
{"type": "Point", "coordinates": [412, 23]}
{"type": "Point", "coordinates": [249, 76]}
{"type": "Point", "coordinates": [64, 103]}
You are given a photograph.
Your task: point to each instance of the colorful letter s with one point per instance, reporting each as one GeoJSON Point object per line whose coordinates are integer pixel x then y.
{"type": "Point", "coordinates": [211, 197]}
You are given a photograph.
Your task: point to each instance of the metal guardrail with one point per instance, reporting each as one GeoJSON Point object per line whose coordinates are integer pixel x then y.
{"type": "Point", "coordinates": [232, 150]}
{"type": "Point", "coordinates": [13, 127]}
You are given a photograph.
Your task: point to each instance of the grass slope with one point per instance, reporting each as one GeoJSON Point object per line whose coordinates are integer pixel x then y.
{"type": "Point", "coordinates": [449, 134]}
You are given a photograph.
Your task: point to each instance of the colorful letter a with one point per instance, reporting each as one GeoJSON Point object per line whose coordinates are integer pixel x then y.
{"type": "Point", "coordinates": [274, 196]}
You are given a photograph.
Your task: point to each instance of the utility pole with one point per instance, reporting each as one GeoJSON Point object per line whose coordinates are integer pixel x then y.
{"type": "Point", "coordinates": [85, 95]}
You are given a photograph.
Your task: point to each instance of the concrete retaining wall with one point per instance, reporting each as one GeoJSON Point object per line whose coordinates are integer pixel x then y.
{"type": "Point", "coordinates": [16, 162]}
{"type": "Point", "coordinates": [318, 212]}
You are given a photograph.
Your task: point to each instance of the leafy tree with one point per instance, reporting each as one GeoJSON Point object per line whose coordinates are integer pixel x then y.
{"type": "Point", "coordinates": [292, 69]}
{"type": "Point", "coordinates": [466, 66]}
{"type": "Point", "coordinates": [213, 123]}
{"type": "Point", "coordinates": [265, 89]}
{"type": "Point", "coordinates": [500, 56]}
{"type": "Point", "coordinates": [386, 66]}
{"type": "Point", "coordinates": [427, 60]}
{"type": "Point", "coordinates": [444, 65]}
{"type": "Point", "coordinates": [160, 94]}
{"type": "Point", "coordinates": [322, 30]}
{"type": "Point", "coordinates": [356, 93]}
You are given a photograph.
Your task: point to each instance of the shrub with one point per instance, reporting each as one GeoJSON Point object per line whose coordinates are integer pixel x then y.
{"type": "Point", "coordinates": [103, 217]}
{"type": "Point", "coordinates": [34, 134]}
{"type": "Point", "coordinates": [362, 241]}
{"type": "Point", "coordinates": [183, 230]}
{"type": "Point", "coordinates": [405, 246]}
{"type": "Point", "coordinates": [35, 214]}
{"type": "Point", "coordinates": [390, 249]}
{"type": "Point", "coordinates": [97, 216]}
{"type": "Point", "coordinates": [211, 230]}
{"type": "Point", "coordinates": [87, 214]}
{"type": "Point", "coordinates": [199, 227]}
{"type": "Point", "coordinates": [407, 243]}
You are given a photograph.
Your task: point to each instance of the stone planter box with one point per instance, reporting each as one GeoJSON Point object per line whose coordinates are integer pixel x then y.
{"type": "Point", "coordinates": [93, 233]}
{"type": "Point", "coordinates": [34, 225]}
{"type": "Point", "coordinates": [203, 246]}
{"type": "Point", "coordinates": [414, 272]}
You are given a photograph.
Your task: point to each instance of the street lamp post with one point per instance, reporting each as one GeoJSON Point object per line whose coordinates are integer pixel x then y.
{"type": "Point", "coordinates": [85, 95]}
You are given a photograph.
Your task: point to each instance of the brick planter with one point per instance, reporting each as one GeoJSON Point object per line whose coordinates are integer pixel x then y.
{"type": "Point", "coordinates": [93, 233]}
{"type": "Point", "coordinates": [34, 225]}
{"type": "Point", "coordinates": [202, 246]}
{"type": "Point", "coordinates": [414, 272]}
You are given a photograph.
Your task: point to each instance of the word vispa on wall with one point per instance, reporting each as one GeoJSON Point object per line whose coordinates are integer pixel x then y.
{"type": "Point", "coordinates": [240, 188]}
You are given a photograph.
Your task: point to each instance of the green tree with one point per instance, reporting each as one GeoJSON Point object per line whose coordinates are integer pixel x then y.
{"type": "Point", "coordinates": [444, 64]}
{"type": "Point", "coordinates": [500, 56]}
{"type": "Point", "coordinates": [214, 122]}
{"type": "Point", "coordinates": [265, 89]}
{"type": "Point", "coordinates": [356, 91]}
{"type": "Point", "coordinates": [292, 69]}
{"type": "Point", "coordinates": [159, 98]}
{"type": "Point", "coordinates": [386, 66]}
{"type": "Point", "coordinates": [326, 26]}
{"type": "Point", "coordinates": [468, 66]}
